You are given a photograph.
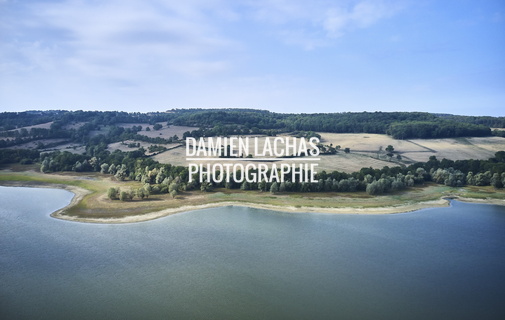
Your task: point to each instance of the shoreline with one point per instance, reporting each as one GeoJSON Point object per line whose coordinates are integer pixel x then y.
{"type": "Point", "coordinates": [80, 193]}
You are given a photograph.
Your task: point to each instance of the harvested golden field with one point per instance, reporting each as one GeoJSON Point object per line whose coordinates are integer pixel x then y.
{"type": "Point", "coordinates": [458, 148]}
{"type": "Point", "coordinates": [419, 149]}
{"type": "Point", "coordinates": [351, 162]}
{"type": "Point", "coordinates": [176, 157]}
{"type": "Point", "coordinates": [367, 142]}
{"type": "Point", "coordinates": [341, 162]}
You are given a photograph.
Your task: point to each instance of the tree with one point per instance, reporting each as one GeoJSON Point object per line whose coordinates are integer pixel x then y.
{"type": "Point", "coordinates": [157, 126]}
{"type": "Point", "coordinates": [496, 181]}
{"type": "Point", "coordinates": [483, 179]}
{"type": "Point", "coordinates": [245, 186]}
{"type": "Point", "coordinates": [262, 185]}
{"type": "Point", "coordinates": [343, 185]}
{"type": "Point", "coordinates": [122, 173]}
{"type": "Point", "coordinates": [374, 188]}
{"type": "Point", "coordinates": [112, 169]}
{"type": "Point", "coordinates": [104, 168]}
{"type": "Point", "coordinates": [112, 193]}
{"type": "Point", "coordinates": [173, 193]}
{"type": "Point", "coordinates": [160, 176]}
{"type": "Point", "coordinates": [140, 193]}
{"type": "Point", "coordinates": [174, 186]}
{"type": "Point", "coordinates": [44, 167]}
{"type": "Point", "coordinates": [132, 194]}
{"type": "Point", "coordinates": [147, 191]}
{"type": "Point", "coordinates": [123, 196]}
{"type": "Point", "coordinates": [274, 188]}
{"type": "Point", "coordinates": [397, 185]}
{"type": "Point", "coordinates": [390, 149]}
{"type": "Point", "coordinates": [500, 156]}
{"type": "Point", "coordinates": [206, 186]}
{"type": "Point", "coordinates": [470, 178]}
{"type": "Point", "coordinates": [347, 150]}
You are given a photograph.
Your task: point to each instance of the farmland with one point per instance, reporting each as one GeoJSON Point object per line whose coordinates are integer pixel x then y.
{"type": "Point", "coordinates": [367, 150]}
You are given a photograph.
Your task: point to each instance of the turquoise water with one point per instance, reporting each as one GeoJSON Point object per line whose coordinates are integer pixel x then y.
{"type": "Point", "coordinates": [244, 263]}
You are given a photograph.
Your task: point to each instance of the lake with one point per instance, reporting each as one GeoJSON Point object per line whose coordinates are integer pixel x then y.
{"type": "Point", "coordinates": [244, 263]}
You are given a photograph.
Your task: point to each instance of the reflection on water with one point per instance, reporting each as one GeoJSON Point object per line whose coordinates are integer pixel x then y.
{"type": "Point", "coordinates": [243, 263]}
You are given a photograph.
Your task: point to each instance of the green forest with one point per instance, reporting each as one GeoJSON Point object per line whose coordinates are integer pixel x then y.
{"type": "Point", "coordinates": [400, 125]}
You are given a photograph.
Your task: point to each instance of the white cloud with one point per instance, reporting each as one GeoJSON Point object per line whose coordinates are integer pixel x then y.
{"type": "Point", "coordinates": [315, 23]}
{"type": "Point", "coordinates": [123, 39]}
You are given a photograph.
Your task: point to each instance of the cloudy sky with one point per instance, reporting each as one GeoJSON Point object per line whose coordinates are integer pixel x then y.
{"type": "Point", "coordinates": [442, 56]}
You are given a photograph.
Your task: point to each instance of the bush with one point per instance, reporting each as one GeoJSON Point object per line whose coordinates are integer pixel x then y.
{"type": "Point", "coordinates": [113, 193]}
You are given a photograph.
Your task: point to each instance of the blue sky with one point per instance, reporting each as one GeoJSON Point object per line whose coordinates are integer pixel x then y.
{"type": "Point", "coordinates": [282, 55]}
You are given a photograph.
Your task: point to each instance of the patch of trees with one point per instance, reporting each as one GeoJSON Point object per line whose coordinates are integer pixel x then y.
{"type": "Point", "coordinates": [436, 129]}
{"type": "Point", "coordinates": [222, 130]}
{"type": "Point", "coordinates": [498, 133]}
{"type": "Point", "coordinates": [493, 122]}
{"type": "Point", "coordinates": [401, 125]}
{"type": "Point", "coordinates": [156, 148]}
{"type": "Point", "coordinates": [13, 120]}
{"type": "Point", "coordinates": [23, 156]}
{"type": "Point", "coordinates": [306, 134]}
{"type": "Point", "coordinates": [325, 149]}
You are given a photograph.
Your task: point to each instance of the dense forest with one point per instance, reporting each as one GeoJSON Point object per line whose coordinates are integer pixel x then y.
{"type": "Point", "coordinates": [400, 125]}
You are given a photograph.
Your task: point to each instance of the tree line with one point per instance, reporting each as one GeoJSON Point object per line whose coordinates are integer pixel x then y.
{"type": "Point", "coordinates": [164, 178]}
{"type": "Point", "coordinates": [248, 121]}
{"type": "Point", "coordinates": [155, 177]}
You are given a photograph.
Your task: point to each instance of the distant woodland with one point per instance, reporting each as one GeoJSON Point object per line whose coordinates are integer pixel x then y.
{"type": "Point", "coordinates": [400, 125]}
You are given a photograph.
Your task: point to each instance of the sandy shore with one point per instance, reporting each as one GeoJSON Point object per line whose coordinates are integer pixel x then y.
{"type": "Point", "coordinates": [79, 193]}
{"type": "Point", "coordinates": [346, 210]}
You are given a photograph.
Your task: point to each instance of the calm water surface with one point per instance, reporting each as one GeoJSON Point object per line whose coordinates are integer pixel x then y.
{"type": "Point", "coordinates": [243, 263]}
